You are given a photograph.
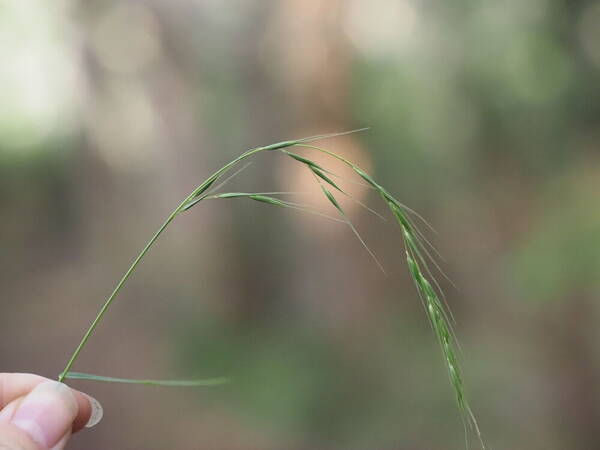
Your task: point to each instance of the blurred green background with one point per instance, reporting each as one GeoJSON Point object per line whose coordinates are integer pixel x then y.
{"type": "Point", "coordinates": [485, 118]}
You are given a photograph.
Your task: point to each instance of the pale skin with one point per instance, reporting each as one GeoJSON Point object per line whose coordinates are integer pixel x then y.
{"type": "Point", "coordinates": [37, 413]}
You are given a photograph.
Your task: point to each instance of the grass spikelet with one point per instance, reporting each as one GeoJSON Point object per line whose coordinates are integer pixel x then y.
{"type": "Point", "coordinates": [321, 173]}
{"type": "Point", "coordinates": [204, 186]}
{"type": "Point", "coordinates": [325, 178]}
{"type": "Point", "coordinates": [302, 159]}
{"type": "Point", "coordinates": [332, 199]}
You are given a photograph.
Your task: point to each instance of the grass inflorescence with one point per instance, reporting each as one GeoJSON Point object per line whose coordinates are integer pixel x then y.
{"type": "Point", "coordinates": [416, 252]}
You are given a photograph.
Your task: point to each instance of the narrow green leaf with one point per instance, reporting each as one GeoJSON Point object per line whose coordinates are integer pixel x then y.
{"type": "Point", "coordinates": [173, 383]}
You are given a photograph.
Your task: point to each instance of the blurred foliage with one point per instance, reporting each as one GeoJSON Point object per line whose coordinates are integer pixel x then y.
{"type": "Point", "coordinates": [485, 119]}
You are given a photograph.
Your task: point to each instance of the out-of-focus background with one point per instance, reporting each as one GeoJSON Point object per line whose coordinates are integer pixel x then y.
{"type": "Point", "coordinates": [485, 118]}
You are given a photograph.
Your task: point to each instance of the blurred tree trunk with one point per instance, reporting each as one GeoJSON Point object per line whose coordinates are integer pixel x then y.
{"type": "Point", "coordinates": [312, 57]}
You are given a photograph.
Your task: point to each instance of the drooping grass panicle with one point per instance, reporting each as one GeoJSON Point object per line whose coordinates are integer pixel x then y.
{"type": "Point", "coordinates": [418, 257]}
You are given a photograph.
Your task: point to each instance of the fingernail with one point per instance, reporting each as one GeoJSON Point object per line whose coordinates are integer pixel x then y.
{"type": "Point", "coordinates": [97, 412]}
{"type": "Point", "coordinates": [46, 413]}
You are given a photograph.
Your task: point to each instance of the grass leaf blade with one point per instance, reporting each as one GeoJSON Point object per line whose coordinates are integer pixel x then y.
{"type": "Point", "coordinates": [172, 383]}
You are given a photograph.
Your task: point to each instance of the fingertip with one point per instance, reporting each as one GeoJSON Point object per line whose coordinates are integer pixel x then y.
{"type": "Point", "coordinates": [46, 413]}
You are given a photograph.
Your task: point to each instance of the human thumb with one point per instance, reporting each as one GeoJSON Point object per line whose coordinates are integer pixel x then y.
{"type": "Point", "coordinates": [42, 420]}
